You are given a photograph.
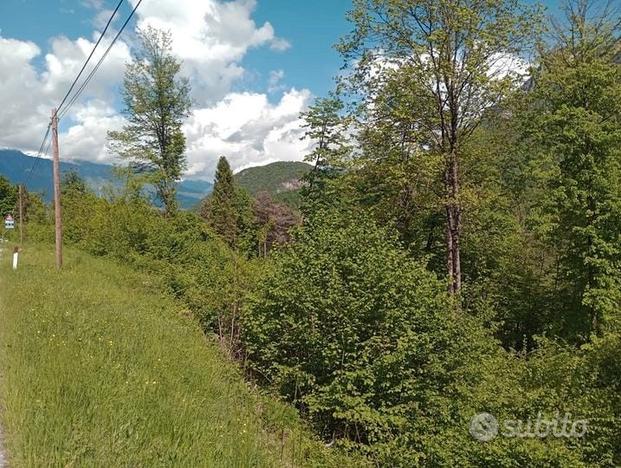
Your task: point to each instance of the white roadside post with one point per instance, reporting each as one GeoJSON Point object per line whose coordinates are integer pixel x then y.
{"type": "Point", "coordinates": [15, 257]}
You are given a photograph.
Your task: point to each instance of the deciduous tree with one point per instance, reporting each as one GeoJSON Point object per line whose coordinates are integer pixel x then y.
{"type": "Point", "coordinates": [450, 61]}
{"type": "Point", "coordinates": [157, 100]}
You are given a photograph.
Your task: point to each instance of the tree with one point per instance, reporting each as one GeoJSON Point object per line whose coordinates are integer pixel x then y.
{"type": "Point", "coordinates": [573, 120]}
{"type": "Point", "coordinates": [8, 197]}
{"type": "Point", "coordinates": [228, 210]}
{"type": "Point", "coordinates": [397, 179]}
{"type": "Point", "coordinates": [35, 209]}
{"type": "Point", "coordinates": [72, 182]}
{"type": "Point", "coordinates": [361, 338]}
{"type": "Point", "coordinates": [274, 222]}
{"type": "Point", "coordinates": [219, 208]}
{"type": "Point", "coordinates": [156, 103]}
{"type": "Point", "coordinates": [450, 61]}
{"type": "Point", "coordinates": [326, 128]}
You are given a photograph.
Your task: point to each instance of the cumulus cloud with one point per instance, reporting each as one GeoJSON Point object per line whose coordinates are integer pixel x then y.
{"type": "Point", "coordinates": [88, 135]}
{"type": "Point", "coordinates": [29, 94]}
{"type": "Point", "coordinates": [21, 93]}
{"type": "Point", "coordinates": [248, 129]}
{"type": "Point", "coordinates": [211, 37]}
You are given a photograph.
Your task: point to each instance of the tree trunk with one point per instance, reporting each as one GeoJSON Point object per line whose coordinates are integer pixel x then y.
{"type": "Point", "coordinates": [453, 224]}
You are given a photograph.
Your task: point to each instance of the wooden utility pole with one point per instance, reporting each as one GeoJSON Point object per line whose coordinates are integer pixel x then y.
{"type": "Point", "coordinates": [57, 206]}
{"type": "Point", "coordinates": [21, 215]}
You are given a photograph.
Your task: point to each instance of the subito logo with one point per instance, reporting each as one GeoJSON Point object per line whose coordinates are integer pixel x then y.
{"type": "Point", "coordinates": [484, 427]}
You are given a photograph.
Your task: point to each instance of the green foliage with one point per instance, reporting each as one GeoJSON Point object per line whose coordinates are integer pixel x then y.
{"type": "Point", "coordinates": [573, 125]}
{"type": "Point", "coordinates": [8, 197]}
{"type": "Point", "coordinates": [423, 76]}
{"type": "Point", "coordinates": [326, 126]}
{"type": "Point", "coordinates": [282, 180]}
{"type": "Point", "coordinates": [348, 320]}
{"type": "Point", "coordinates": [364, 341]}
{"type": "Point", "coordinates": [156, 103]}
{"type": "Point", "coordinates": [353, 332]}
{"type": "Point", "coordinates": [228, 210]}
{"type": "Point", "coordinates": [35, 209]}
{"type": "Point", "coordinates": [73, 183]}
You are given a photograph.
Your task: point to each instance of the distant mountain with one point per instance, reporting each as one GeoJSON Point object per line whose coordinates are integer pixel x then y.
{"type": "Point", "coordinates": [282, 180]}
{"type": "Point", "coordinates": [16, 166]}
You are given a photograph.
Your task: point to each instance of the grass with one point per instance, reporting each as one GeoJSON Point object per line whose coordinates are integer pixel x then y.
{"type": "Point", "coordinates": [100, 369]}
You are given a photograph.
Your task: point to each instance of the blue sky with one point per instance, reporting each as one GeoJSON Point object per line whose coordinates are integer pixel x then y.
{"type": "Point", "coordinates": [254, 66]}
{"type": "Point", "coordinates": [312, 28]}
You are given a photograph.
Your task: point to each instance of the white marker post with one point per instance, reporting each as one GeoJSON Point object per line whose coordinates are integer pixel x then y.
{"type": "Point", "coordinates": [15, 257]}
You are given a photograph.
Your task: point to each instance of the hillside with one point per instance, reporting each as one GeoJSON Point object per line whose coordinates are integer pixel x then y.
{"type": "Point", "coordinates": [101, 369]}
{"type": "Point", "coordinates": [281, 179]}
{"type": "Point", "coordinates": [16, 166]}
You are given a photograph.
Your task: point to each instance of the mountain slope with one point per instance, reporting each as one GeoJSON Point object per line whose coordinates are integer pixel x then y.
{"type": "Point", "coordinates": [274, 178]}
{"type": "Point", "coordinates": [282, 180]}
{"type": "Point", "coordinates": [16, 166]}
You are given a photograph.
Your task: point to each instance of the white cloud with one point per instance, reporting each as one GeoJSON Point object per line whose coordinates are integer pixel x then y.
{"type": "Point", "coordinates": [28, 94]}
{"type": "Point", "coordinates": [274, 82]}
{"type": "Point", "coordinates": [20, 93]}
{"type": "Point", "coordinates": [102, 17]}
{"type": "Point", "coordinates": [88, 136]}
{"type": "Point", "coordinates": [248, 130]}
{"type": "Point", "coordinates": [67, 57]}
{"type": "Point", "coordinates": [211, 36]}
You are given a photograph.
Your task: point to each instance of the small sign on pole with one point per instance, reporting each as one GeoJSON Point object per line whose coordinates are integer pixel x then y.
{"type": "Point", "coordinates": [9, 222]}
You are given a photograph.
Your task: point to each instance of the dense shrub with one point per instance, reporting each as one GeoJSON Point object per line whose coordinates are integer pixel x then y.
{"type": "Point", "coordinates": [354, 332]}
{"type": "Point", "coordinates": [365, 342]}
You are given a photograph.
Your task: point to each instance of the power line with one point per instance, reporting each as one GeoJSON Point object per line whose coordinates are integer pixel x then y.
{"type": "Point", "coordinates": [92, 73]}
{"type": "Point", "coordinates": [40, 153]}
{"type": "Point", "coordinates": [63, 111]}
{"type": "Point", "coordinates": [91, 54]}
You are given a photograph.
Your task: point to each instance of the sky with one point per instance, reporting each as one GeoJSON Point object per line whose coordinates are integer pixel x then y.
{"type": "Point", "coordinates": [254, 65]}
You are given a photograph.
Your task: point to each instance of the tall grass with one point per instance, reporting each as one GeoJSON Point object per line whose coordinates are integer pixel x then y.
{"type": "Point", "coordinates": [99, 369]}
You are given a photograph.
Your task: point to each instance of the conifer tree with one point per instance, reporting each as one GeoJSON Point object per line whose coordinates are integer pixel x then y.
{"type": "Point", "coordinates": [219, 208]}
{"type": "Point", "coordinates": [228, 210]}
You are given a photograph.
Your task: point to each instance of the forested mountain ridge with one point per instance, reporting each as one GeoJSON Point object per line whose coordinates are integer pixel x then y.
{"type": "Point", "coordinates": [282, 180]}
{"type": "Point", "coordinates": [16, 166]}
{"type": "Point", "coordinates": [274, 178]}
{"type": "Point", "coordinates": [278, 179]}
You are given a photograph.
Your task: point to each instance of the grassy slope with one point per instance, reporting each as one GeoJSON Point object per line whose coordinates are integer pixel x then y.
{"type": "Point", "coordinates": [98, 369]}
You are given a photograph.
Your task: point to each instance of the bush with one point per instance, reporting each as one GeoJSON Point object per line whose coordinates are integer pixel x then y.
{"type": "Point", "coordinates": [353, 331]}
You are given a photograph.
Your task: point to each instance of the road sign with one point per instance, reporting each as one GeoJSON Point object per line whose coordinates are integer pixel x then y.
{"type": "Point", "coordinates": [9, 222]}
